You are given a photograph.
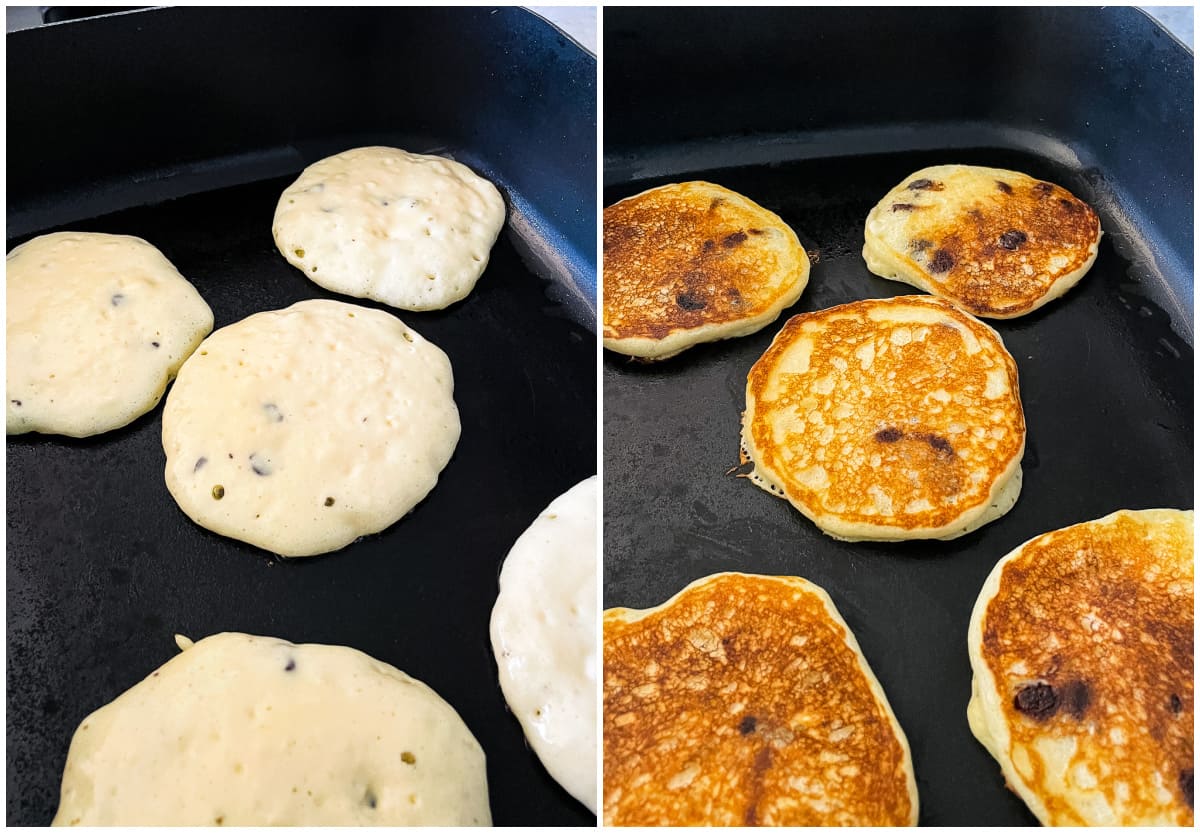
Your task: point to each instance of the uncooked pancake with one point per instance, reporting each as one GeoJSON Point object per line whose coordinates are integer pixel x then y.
{"type": "Point", "coordinates": [299, 430]}
{"type": "Point", "coordinates": [887, 419]}
{"type": "Point", "coordinates": [245, 730]}
{"type": "Point", "coordinates": [1082, 645]}
{"type": "Point", "coordinates": [405, 229]}
{"type": "Point", "coordinates": [97, 326]}
{"type": "Point", "coordinates": [998, 243]}
{"type": "Point", "coordinates": [544, 637]}
{"type": "Point", "coordinates": [694, 262]}
{"type": "Point", "coordinates": [745, 700]}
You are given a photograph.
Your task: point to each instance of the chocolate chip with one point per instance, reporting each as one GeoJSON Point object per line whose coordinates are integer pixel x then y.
{"type": "Point", "coordinates": [117, 299]}
{"type": "Point", "coordinates": [1012, 239]}
{"type": "Point", "coordinates": [16, 402]}
{"type": "Point", "coordinates": [733, 240]}
{"type": "Point", "coordinates": [747, 725]}
{"type": "Point", "coordinates": [889, 435]}
{"type": "Point", "coordinates": [199, 464]}
{"type": "Point", "coordinates": [920, 185]}
{"type": "Point", "coordinates": [1043, 188]}
{"type": "Point", "coordinates": [939, 444]}
{"type": "Point", "coordinates": [329, 501]}
{"type": "Point", "coordinates": [1037, 700]}
{"type": "Point", "coordinates": [408, 758]}
{"type": "Point", "coordinates": [1071, 206]}
{"type": "Point", "coordinates": [690, 302]}
{"type": "Point", "coordinates": [902, 206]}
{"type": "Point", "coordinates": [291, 665]}
{"type": "Point", "coordinates": [1075, 697]}
{"type": "Point", "coordinates": [1004, 187]}
{"type": "Point", "coordinates": [1176, 704]}
{"type": "Point", "coordinates": [942, 261]}
{"type": "Point", "coordinates": [273, 412]}
{"type": "Point", "coordinates": [1187, 786]}
{"type": "Point", "coordinates": [369, 799]}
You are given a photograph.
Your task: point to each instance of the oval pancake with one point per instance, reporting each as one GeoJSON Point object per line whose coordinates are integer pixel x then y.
{"type": "Point", "coordinates": [745, 700]}
{"type": "Point", "coordinates": [694, 262]}
{"type": "Point", "coordinates": [887, 419]}
{"type": "Point", "coordinates": [1082, 645]}
{"type": "Point", "coordinates": [998, 243]}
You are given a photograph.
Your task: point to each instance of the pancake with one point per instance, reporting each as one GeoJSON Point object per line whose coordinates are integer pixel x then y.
{"type": "Point", "coordinates": [299, 430]}
{"type": "Point", "coordinates": [97, 325]}
{"type": "Point", "coordinates": [745, 700]}
{"type": "Point", "coordinates": [409, 230]}
{"type": "Point", "coordinates": [1082, 645]}
{"type": "Point", "coordinates": [887, 419]}
{"type": "Point", "coordinates": [245, 730]}
{"type": "Point", "coordinates": [544, 637]}
{"type": "Point", "coordinates": [998, 243]}
{"type": "Point", "coordinates": [694, 262]}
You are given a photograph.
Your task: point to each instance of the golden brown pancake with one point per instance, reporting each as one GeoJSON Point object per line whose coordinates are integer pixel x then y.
{"type": "Point", "coordinates": [1082, 646]}
{"type": "Point", "coordinates": [745, 700]}
{"type": "Point", "coordinates": [694, 262]}
{"type": "Point", "coordinates": [998, 243]}
{"type": "Point", "coordinates": [887, 419]}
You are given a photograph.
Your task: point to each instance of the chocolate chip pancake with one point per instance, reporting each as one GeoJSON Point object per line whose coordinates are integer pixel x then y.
{"type": "Point", "coordinates": [887, 419]}
{"type": "Point", "coordinates": [1082, 644]}
{"type": "Point", "coordinates": [694, 262]}
{"type": "Point", "coordinates": [998, 243]}
{"type": "Point", "coordinates": [745, 700]}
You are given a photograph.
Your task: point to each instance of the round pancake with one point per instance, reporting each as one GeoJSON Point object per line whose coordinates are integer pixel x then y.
{"type": "Point", "coordinates": [745, 700]}
{"type": "Point", "coordinates": [694, 262]}
{"type": "Point", "coordinates": [887, 419]}
{"type": "Point", "coordinates": [250, 730]}
{"type": "Point", "coordinates": [404, 229]}
{"type": "Point", "coordinates": [1082, 645]}
{"type": "Point", "coordinates": [998, 243]}
{"type": "Point", "coordinates": [544, 638]}
{"type": "Point", "coordinates": [97, 326]}
{"type": "Point", "coordinates": [299, 430]}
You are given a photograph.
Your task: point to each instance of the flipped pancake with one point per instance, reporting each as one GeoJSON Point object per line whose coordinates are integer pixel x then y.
{"type": "Point", "coordinates": [998, 243]}
{"type": "Point", "coordinates": [1082, 645]}
{"type": "Point", "coordinates": [745, 700]}
{"type": "Point", "coordinates": [887, 419]}
{"type": "Point", "coordinates": [694, 262]}
{"type": "Point", "coordinates": [243, 730]}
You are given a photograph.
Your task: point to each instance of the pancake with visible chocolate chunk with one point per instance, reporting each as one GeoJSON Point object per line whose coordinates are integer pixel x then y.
{"type": "Point", "coordinates": [998, 243]}
{"type": "Point", "coordinates": [746, 700]}
{"type": "Point", "coordinates": [887, 419]}
{"type": "Point", "coordinates": [694, 262]}
{"type": "Point", "coordinates": [1082, 644]}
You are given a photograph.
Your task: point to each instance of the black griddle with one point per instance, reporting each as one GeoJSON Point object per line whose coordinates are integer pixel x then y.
{"type": "Point", "coordinates": [816, 114]}
{"type": "Point", "coordinates": [183, 126]}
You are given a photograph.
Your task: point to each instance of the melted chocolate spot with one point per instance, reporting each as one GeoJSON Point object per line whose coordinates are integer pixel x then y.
{"type": "Point", "coordinates": [889, 435]}
{"type": "Point", "coordinates": [273, 412]}
{"type": "Point", "coordinates": [1004, 187]}
{"type": "Point", "coordinates": [1071, 206]}
{"type": "Point", "coordinates": [16, 402]}
{"type": "Point", "coordinates": [690, 302]}
{"type": "Point", "coordinates": [1012, 239]}
{"type": "Point", "coordinates": [199, 464]}
{"type": "Point", "coordinates": [1176, 704]}
{"type": "Point", "coordinates": [942, 261]}
{"type": "Point", "coordinates": [747, 725]}
{"type": "Point", "coordinates": [709, 245]}
{"type": "Point", "coordinates": [1187, 786]}
{"type": "Point", "coordinates": [733, 240]}
{"type": "Point", "coordinates": [291, 665]}
{"type": "Point", "coordinates": [1075, 697]}
{"type": "Point", "coordinates": [1037, 700]}
{"type": "Point", "coordinates": [1043, 188]}
{"type": "Point", "coordinates": [369, 799]}
{"type": "Point", "coordinates": [755, 231]}
{"type": "Point", "coordinates": [716, 203]}
{"type": "Point", "coordinates": [939, 444]}
{"type": "Point", "coordinates": [259, 467]}
{"type": "Point", "coordinates": [920, 185]}
{"type": "Point", "coordinates": [902, 206]}
{"type": "Point", "coordinates": [117, 299]}
{"type": "Point", "coordinates": [154, 344]}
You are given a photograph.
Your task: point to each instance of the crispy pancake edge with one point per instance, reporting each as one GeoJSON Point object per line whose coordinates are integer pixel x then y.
{"type": "Point", "coordinates": [1005, 491]}
{"type": "Point", "coordinates": [884, 261]}
{"type": "Point", "coordinates": [994, 735]}
{"type": "Point", "coordinates": [629, 616]}
{"type": "Point", "coordinates": [679, 340]}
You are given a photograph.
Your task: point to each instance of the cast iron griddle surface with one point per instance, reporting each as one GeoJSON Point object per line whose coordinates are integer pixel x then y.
{"type": "Point", "coordinates": [1107, 389]}
{"type": "Point", "coordinates": [103, 567]}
